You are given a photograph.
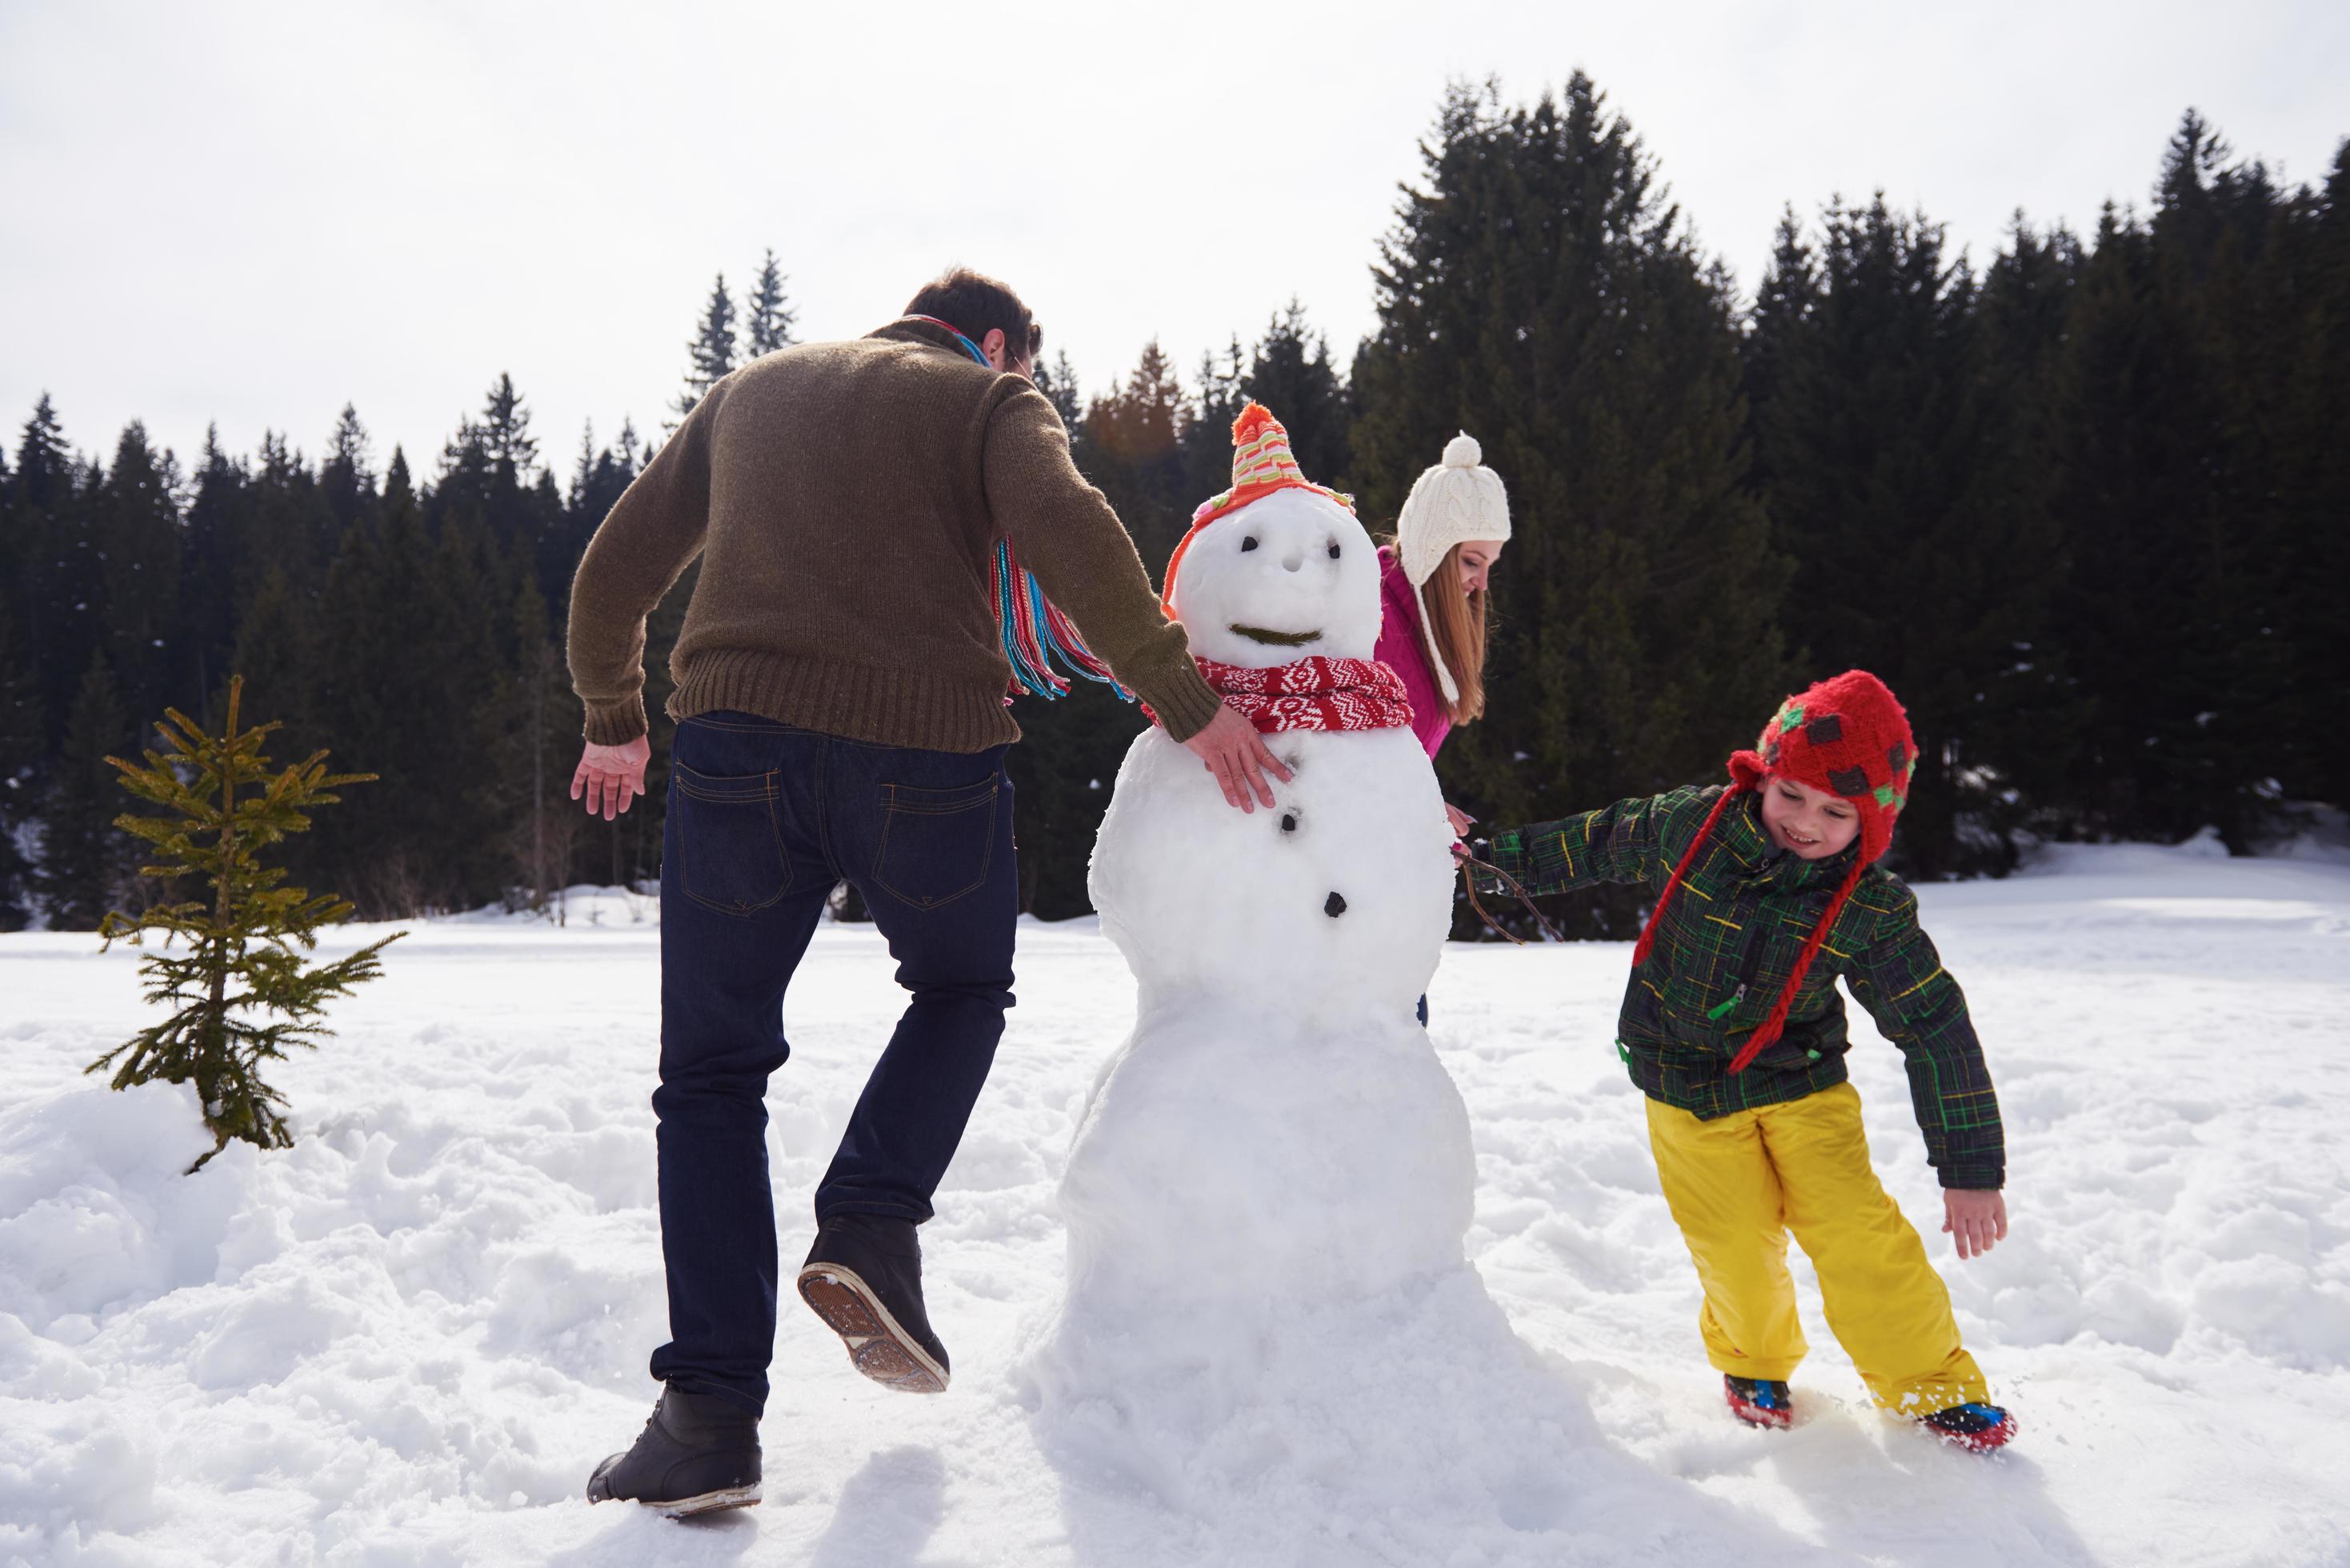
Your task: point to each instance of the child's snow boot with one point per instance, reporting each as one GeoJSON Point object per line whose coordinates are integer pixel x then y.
{"type": "Point", "coordinates": [1981, 1427]}
{"type": "Point", "coordinates": [864, 1278]}
{"type": "Point", "coordinates": [698, 1453]}
{"type": "Point", "coordinates": [1758, 1402]}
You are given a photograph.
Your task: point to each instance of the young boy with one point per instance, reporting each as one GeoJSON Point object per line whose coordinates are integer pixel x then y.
{"type": "Point", "coordinates": [1766, 891]}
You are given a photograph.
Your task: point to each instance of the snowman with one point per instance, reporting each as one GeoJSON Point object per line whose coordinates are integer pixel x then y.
{"type": "Point", "coordinates": [1276, 1140]}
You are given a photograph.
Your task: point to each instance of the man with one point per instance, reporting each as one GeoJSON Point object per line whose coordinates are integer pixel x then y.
{"type": "Point", "coordinates": [840, 714]}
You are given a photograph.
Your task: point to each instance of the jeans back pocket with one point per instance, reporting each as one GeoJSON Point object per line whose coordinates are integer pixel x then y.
{"type": "Point", "coordinates": [937, 844]}
{"type": "Point", "coordinates": [730, 856]}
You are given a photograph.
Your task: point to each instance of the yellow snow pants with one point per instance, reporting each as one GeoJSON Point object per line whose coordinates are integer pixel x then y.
{"type": "Point", "coordinates": [1738, 1184]}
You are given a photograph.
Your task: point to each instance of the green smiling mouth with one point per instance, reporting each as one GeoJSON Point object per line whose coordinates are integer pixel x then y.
{"type": "Point", "coordinates": [1278, 639]}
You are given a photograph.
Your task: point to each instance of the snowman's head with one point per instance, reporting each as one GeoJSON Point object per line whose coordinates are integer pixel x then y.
{"type": "Point", "coordinates": [1287, 578]}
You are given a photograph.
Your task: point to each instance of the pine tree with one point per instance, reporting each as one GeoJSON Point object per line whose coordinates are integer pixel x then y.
{"type": "Point", "coordinates": [463, 486]}
{"type": "Point", "coordinates": [1134, 453]}
{"type": "Point", "coordinates": [1217, 399]}
{"type": "Point", "coordinates": [597, 481]}
{"type": "Point", "coordinates": [2177, 490]}
{"type": "Point", "coordinates": [44, 463]}
{"type": "Point", "coordinates": [1058, 382]}
{"type": "Point", "coordinates": [85, 862]}
{"type": "Point", "coordinates": [771, 317]}
{"type": "Point", "coordinates": [1540, 293]}
{"type": "Point", "coordinates": [2308, 276]}
{"type": "Point", "coordinates": [58, 585]}
{"type": "Point", "coordinates": [135, 522]}
{"type": "Point", "coordinates": [242, 993]}
{"type": "Point", "coordinates": [278, 641]}
{"type": "Point", "coordinates": [1291, 373]}
{"type": "Point", "coordinates": [2031, 710]}
{"type": "Point", "coordinates": [537, 719]}
{"type": "Point", "coordinates": [218, 529]}
{"type": "Point", "coordinates": [345, 477]}
{"type": "Point", "coordinates": [710, 353]}
{"type": "Point", "coordinates": [22, 730]}
{"type": "Point", "coordinates": [506, 432]}
{"type": "Point", "coordinates": [1881, 450]}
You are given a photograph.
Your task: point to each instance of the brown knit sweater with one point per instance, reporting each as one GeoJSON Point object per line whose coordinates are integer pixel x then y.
{"type": "Point", "coordinates": [846, 499]}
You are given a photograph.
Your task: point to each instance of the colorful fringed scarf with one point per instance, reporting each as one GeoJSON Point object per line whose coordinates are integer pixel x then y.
{"type": "Point", "coordinates": [1034, 630]}
{"type": "Point", "coordinates": [1312, 693]}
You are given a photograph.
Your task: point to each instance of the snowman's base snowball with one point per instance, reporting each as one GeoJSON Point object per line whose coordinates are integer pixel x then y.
{"type": "Point", "coordinates": [1414, 1414]}
{"type": "Point", "coordinates": [1228, 1154]}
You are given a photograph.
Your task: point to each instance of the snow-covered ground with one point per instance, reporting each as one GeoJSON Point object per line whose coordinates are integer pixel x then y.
{"type": "Point", "coordinates": [405, 1341]}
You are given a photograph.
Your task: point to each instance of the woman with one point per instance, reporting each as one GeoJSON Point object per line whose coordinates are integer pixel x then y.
{"type": "Point", "coordinates": [1432, 591]}
{"type": "Point", "coordinates": [1432, 596]}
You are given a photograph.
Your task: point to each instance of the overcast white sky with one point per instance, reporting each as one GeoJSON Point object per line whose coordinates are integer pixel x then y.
{"type": "Point", "coordinates": [252, 213]}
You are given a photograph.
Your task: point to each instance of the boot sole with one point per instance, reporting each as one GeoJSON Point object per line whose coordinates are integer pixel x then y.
{"type": "Point", "coordinates": [1977, 1442]}
{"type": "Point", "coordinates": [878, 1346]}
{"type": "Point", "coordinates": [708, 1502]}
{"type": "Point", "coordinates": [1761, 1420]}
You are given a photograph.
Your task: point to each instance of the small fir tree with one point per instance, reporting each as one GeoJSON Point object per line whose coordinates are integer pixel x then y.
{"type": "Point", "coordinates": [711, 354]}
{"type": "Point", "coordinates": [243, 993]}
{"type": "Point", "coordinates": [771, 314]}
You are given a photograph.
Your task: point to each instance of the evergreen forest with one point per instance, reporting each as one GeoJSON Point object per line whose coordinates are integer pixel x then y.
{"type": "Point", "coordinates": [2083, 504]}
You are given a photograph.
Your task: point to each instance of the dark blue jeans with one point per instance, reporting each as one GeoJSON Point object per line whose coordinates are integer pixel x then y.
{"type": "Point", "coordinates": [763, 820]}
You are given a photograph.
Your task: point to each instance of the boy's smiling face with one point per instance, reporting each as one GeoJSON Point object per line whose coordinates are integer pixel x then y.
{"type": "Point", "coordinates": [1807, 821]}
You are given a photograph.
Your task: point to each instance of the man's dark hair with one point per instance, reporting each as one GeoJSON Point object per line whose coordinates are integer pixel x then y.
{"type": "Point", "coordinates": [975, 304]}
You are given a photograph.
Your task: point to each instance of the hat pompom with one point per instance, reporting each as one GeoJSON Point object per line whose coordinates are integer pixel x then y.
{"type": "Point", "coordinates": [1462, 452]}
{"type": "Point", "coordinates": [1252, 423]}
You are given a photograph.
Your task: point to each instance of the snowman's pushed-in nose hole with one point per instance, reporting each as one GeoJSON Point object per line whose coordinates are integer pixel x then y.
{"type": "Point", "coordinates": [1334, 906]}
{"type": "Point", "coordinates": [1292, 561]}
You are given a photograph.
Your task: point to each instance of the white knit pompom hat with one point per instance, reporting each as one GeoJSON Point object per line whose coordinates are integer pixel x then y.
{"type": "Point", "coordinates": [1458, 499]}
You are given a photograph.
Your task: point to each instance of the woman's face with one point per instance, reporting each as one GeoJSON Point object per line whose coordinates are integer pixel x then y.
{"type": "Point", "coordinates": [1477, 557]}
{"type": "Point", "coordinates": [1807, 821]}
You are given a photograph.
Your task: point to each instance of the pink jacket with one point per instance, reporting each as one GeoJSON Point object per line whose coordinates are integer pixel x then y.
{"type": "Point", "coordinates": [1400, 649]}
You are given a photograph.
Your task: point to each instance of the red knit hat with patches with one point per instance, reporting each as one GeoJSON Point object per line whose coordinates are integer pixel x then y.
{"type": "Point", "coordinates": [1846, 737]}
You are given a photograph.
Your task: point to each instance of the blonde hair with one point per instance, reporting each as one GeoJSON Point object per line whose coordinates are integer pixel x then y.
{"type": "Point", "coordinates": [1456, 623]}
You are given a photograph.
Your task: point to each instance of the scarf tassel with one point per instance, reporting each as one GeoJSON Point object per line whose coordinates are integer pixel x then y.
{"type": "Point", "coordinates": [1035, 633]}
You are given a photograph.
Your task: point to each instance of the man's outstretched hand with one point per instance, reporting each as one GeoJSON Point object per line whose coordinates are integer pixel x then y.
{"type": "Point", "coordinates": [1236, 754]}
{"type": "Point", "coordinates": [609, 777]}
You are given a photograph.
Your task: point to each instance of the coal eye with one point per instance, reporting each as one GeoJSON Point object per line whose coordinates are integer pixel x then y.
{"type": "Point", "coordinates": [1334, 549]}
{"type": "Point", "coordinates": [1248, 544]}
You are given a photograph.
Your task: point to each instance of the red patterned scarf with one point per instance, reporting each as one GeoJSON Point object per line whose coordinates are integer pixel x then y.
{"type": "Point", "coordinates": [1310, 694]}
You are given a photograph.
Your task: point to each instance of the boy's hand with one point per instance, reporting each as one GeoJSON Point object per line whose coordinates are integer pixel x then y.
{"type": "Point", "coordinates": [1459, 819]}
{"type": "Point", "coordinates": [1977, 1217]}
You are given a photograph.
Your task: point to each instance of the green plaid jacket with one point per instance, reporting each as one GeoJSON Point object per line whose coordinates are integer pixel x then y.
{"type": "Point", "coordinates": [1730, 938]}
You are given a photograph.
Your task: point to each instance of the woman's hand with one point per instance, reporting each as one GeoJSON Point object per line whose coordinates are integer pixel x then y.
{"type": "Point", "coordinates": [1459, 819]}
{"type": "Point", "coordinates": [1977, 1217]}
